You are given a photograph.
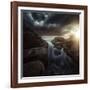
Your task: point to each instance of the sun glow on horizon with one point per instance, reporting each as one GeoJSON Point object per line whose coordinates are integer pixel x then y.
{"type": "Point", "coordinates": [76, 34]}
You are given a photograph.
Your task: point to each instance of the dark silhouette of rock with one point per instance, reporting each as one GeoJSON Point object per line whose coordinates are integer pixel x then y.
{"type": "Point", "coordinates": [58, 42]}
{"type": "Point", "coordinates": [31, 40]}
{"type": "Point", "coordinates": [33, 68]}
{"type": "Point", "coordinates": [59, 64]}
{"type": "Point", "coordinates": [70, 45]}
{"type": "Point", "coordinates": [34, 49]}
{"type": "Point", "coordinates": [38, 53]}
{"type": "Point", "coordinates": [71, 48]}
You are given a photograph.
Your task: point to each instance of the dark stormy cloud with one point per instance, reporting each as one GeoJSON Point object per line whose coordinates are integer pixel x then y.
{"type": "Point", "coordinates": [50, 23]}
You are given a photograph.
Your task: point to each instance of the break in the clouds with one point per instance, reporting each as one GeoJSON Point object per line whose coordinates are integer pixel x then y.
{"type": "Point", "coordinates": [42, 19]}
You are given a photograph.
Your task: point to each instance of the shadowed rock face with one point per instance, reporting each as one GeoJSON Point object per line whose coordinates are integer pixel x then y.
{"type": "Point", "coordinates": [71, 48]}
{"type": "Point", "coordinates": [59, 42]}
{"type": "Point", "coordinates": [31, 40]}
{"type": "Point", "coordinates": [62, 59]}
{"type": "Point", "coordinates": [34, 68]}
{"type": "Point", "coordinates": [34, 49]}
{"type": "Point", "coordinates": [70, 45]}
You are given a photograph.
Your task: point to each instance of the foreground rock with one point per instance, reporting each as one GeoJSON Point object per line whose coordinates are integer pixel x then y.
{"type": "Point", "coordinates": [35, 55]}
{"type": "Point", "coordinates": [34, 68]}
{"type": "Point", "coordinates": [71, 48]}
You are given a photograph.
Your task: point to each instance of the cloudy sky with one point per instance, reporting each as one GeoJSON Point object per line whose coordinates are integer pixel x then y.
{"type": "Point", "coordinates": [50, 23]}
